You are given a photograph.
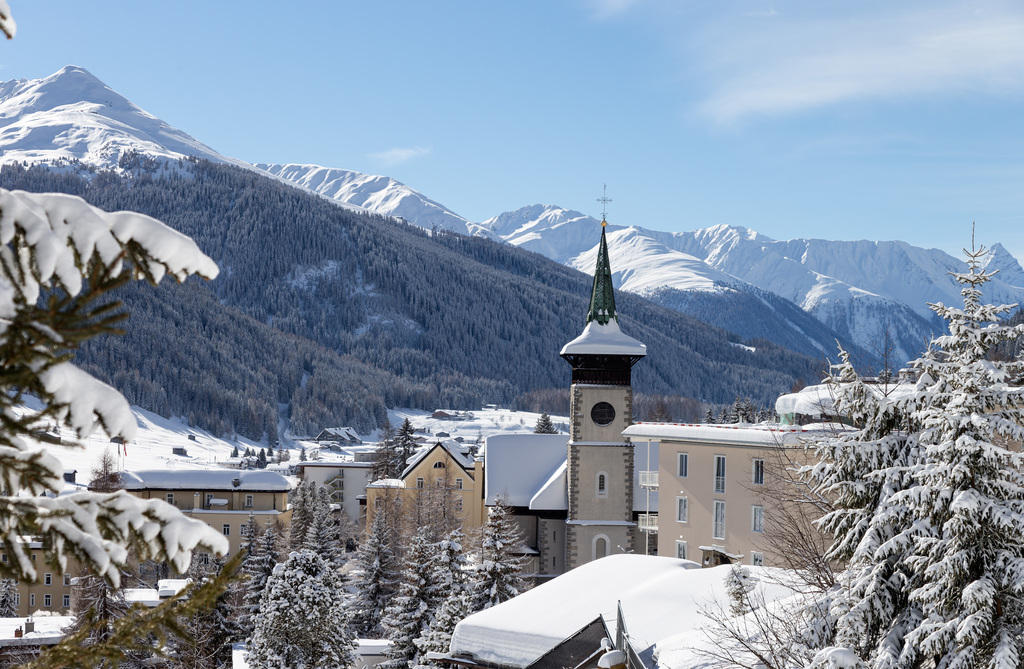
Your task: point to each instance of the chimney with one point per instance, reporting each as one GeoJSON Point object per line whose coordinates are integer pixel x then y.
{"type": "Point", "coordinates": [30, 626]}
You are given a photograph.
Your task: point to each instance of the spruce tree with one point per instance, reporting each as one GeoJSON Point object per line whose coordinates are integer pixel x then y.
{"type": "Point", "coordinates": [234, 452]}
{"type": "Point", "coordinates": [302, 622]}
{"type": "Point", "coordinates": [408, 614]}
{"type": "Point", "coordinates": [448, 594]}
{"type": "Point", "coordinates": [206, 643]}
{"type": "Point", "coordinates": [303, 498]}
{"type": "Point", "coordinates": [373, 579]}
{"type": "Point", "coordinates": [861, 470]}
{"type": "Point", "coordinates": [323, 536]}
{"type": "Point", "coordinates": [8, 598]}
{"type": "Point", "coordinates": [256, 569]}
{"type": "Point", "coordinates": [739, 583]}
{"type": "Point", "coordinates": [544, 425]}
{"type": "Point", "coordinates": [709, 416]}
{"type": "Point", "coordinates": [405, 445]}
{"type": "Point", "coordinates": [498, 571]}
{"type": "Point", "coordinates": [970, 488]}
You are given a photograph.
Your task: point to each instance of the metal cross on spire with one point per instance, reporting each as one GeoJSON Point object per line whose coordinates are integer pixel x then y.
{"type": "Point", "coordinates": [604, 200]}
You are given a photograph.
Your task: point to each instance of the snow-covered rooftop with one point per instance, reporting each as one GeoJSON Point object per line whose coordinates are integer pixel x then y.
{"type": "Point", "coordinates": [518, 465]}
{"type": "Point", "coordinates": [819, 400]}
{"type": "Point", "coordinates": [387, 483]}
{"type": "Point", "coordinates": [49, 630]}
{"type": "Point", "coordinates": [204, 479]}
{"type": "Point", "coordinates": [458, 452]}
{"type": "Point", "coordinates": [662, 598]}
{"type": "Point", "coordinates": [554, 494]}
{"type": "Point", "coordinates": [763, 435]}
{"type": "Point", "coordinates": [608, 339]}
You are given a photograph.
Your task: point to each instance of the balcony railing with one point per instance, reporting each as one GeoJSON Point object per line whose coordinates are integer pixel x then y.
{"type": "Point", "coordinates": [648, 479]}
{"type": "Point", "coordinates": [648, 522]}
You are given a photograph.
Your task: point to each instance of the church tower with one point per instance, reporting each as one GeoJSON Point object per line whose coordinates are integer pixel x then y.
{"type": "Point", "coordinates": [600, 459]}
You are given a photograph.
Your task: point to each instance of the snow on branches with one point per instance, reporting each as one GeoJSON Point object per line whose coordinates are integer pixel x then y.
{"type": "Point", "coordinates": [59, 258]}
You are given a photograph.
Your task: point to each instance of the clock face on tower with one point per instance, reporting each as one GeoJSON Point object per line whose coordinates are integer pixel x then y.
{"type": "Point", "coordinates": [602, 413]}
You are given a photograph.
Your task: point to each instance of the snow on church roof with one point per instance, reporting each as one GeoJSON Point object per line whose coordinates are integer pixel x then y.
{"type": "Point", "coordinates": [608, 339]}
{"type": "Point", "coordinates": [554, 494]}
{"type": "Point", "coordinates": [204, 479]}
{"type": "Point", "coordinates": [518, 465]}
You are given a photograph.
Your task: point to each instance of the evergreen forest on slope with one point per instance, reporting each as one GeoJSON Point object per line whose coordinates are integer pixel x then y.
{"type": "Point", "coordinates": [326, 316]}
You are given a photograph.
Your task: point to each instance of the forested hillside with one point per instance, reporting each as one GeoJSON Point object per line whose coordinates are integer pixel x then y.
{"type": "Point", "coordinates": [324, 315]}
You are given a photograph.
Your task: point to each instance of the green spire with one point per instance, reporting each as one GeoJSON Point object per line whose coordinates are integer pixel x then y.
{"type": "Point", "coordinates": [602, 298]}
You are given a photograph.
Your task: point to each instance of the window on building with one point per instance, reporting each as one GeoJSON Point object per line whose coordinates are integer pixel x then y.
{"type": "Point", "coordinates": [719, 520]}
{"type": "Point", "coordinates": [67, 601]}
{"type": "Point", "coordinates": [600, 547]}
{"type": "Point", "coordinates": [720, 474]}
{"type": "Point", "coordinates": [17, 599]}
{"type": "Point", "coordinates": [602, 484]}
{"type": "Point", "coordinates": [32, 599]}
{"type": "Point", "coordinates": [757, 519]}
{"type": "Point", "coordinates": [458, 504]}
{"type": "Point", "coordinates": [203, 559]}
{"type": "Point", "coordinates": [458, 484]}
{"type": "Point", "coordinates": [419, 481]}
{"type": "Point", "coordinates": [758, 468]}
{"type": "Point", "coordinates": [554, 562]}
{"type": "Point", "coordinates": [67, 579]}
{"type": "Point", "coordinates": [438, 465]}
{"type": "Point", "coordinates": [682, 509]}
{"type": "Point", "coordinates": [226, 528]}
{"type": "Point", "coordinates": [3, 558]}
{"type": "Point", "coordinates": [757, 559]}
{"type": "Point", "coordinates": [33, 557]}
{"type": "Point", "coordinates": [209, 498]}
{"type": "Point", "coordinates": [244, 530]}
{"type": "Point", "coordinates": [682, 464]}
{"type": "Point", "coordinates": [248, 501]}
{"type": "Point", "coordinates": [47, 579]}
{"type": "Point", "coordinates": [47, 601]}
{"type": "Point", "coordinates": [170, 498]}
{"type": "Point", "coordinates": [378, 503]}
{"type": "Point", "coordinates": [681, 550]}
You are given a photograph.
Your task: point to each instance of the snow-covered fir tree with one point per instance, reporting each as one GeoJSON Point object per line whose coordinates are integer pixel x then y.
{"type": "Point", "coordinates": [931, 508]}
{"type": "Point", "coordinates": [206, 643]}
{"type": "Point", "coordinates": [97, 605]}
{"type": "Point", "coordinates": [969, 492]}
{"type": "Point", "coordinates": [408, 614]}
{"type": "Point", "coordinates": [861, 470]}
{"type": "Point", "coordinates": [303, 499]}
{"type": "Point", "coordinates": [709, 416]}
{"type": "Point", "coordinates": [448, 594]}
{"type": "Point", "coordinates": [497, 573]}
{"type": "Point", "coordinates": [386, 463]}
{"type": "Point", "coordinates": [373, 579]}
{"type": "Point", "coordinates": [544, 425]}
{"type": "Point", "coordinates": [739, 583]}
{"type": "Point", "coordinates": [8, 598]}
{"type": "Point", "coordinates": [323, 535]}
{"type": "Point", "coordinates": [302, 621]}
{"type": "Point", "coordinates": [405, 445]}
{"type": "Point", "coordinates": [256, 570]}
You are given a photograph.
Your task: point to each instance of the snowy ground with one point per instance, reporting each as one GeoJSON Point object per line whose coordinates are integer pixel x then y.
{"type": "Point", "coordinates": [157, 436]}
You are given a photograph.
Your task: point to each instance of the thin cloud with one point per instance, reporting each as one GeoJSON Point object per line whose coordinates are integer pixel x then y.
{"type": "Point", "coordinates": [795, 64]}
{"type": "Point", "coordinates": [398, 155]}
{"type": "Point", "coordinates": [606, 9]}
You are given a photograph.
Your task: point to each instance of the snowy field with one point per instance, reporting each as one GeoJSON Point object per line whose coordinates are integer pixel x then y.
{"type": "Point", "coordinates": [157, 436]}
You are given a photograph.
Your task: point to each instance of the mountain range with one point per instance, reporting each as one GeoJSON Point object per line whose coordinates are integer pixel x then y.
{"type": "Point", "coordinates": [804, 294]}
{"type": "Point", "coordinates": [328, 315]}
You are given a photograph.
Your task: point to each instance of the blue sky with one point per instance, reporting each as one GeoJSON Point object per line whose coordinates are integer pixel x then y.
{"type": "Point", "coordinates": [873, 120]}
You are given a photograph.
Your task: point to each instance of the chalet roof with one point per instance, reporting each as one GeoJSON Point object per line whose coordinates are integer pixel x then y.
{"type": "Point", "coordinates": [456, 450]}
{"type": "Point", "coordinates": [204, 479]}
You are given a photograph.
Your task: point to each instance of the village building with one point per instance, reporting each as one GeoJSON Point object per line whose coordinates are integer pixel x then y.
{"type": "Point", "coordinates": [346, 480]}
{"type": "Point", "coordinates": [341, 436]}
{"type": "Point", "coordinates": [444, 478]}
{"type": "Point", "coordinates": [718, 486]}
{"type": "Point", "coordinates": [222, 498]}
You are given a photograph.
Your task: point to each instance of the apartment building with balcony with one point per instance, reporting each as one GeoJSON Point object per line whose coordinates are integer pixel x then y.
{"type": "Point", "coordinates": [347, 482]}
{"type": "Point", "coordinates": [715, 485]}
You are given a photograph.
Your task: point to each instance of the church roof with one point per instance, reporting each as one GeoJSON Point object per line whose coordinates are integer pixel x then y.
{"type": "Point", "coordinates": [602, 297]}
{"type": "Point", "coordinates": [602, 335]}
{"type": "Point", "coordinates": [518, 465]}
{"type": "Point", "coordinates": [554, 494]}
{"type": "Point", "coordinates": [607, 339]}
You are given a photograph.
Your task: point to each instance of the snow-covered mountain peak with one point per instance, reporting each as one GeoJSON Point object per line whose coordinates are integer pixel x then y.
{"type": "Point", "coordinates": [72, 115]}
{"type": "Point", "coordinates": [373, 192]}
{"type": "Point", "coordinates": [1009, 268]}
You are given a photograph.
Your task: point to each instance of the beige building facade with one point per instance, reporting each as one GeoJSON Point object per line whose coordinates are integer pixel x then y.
{"type": "Point", "coordinates": [717, 488]}
{"type": "Point", "coordinates": [347, 482]}
{"type": "Point", "coordinates": [442, 484]}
